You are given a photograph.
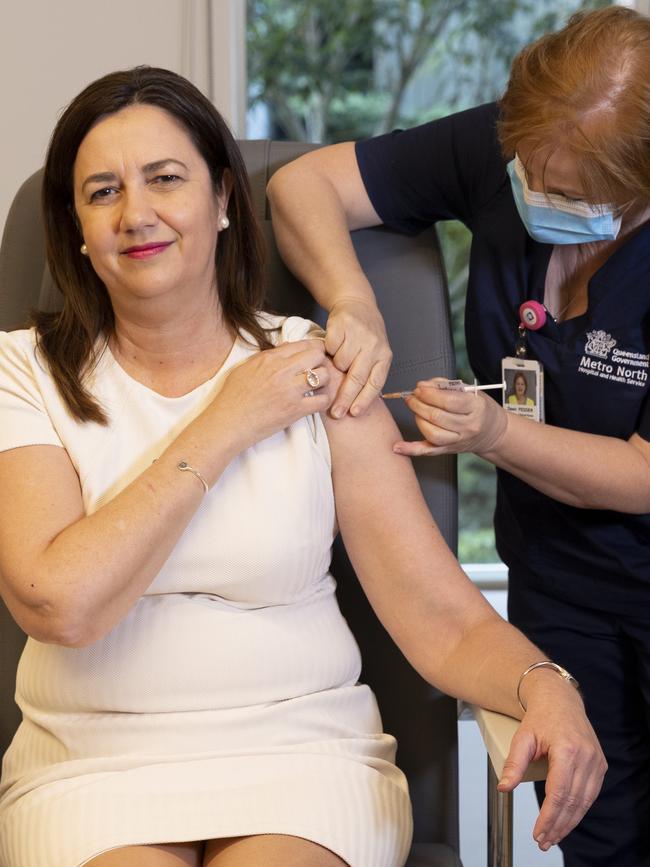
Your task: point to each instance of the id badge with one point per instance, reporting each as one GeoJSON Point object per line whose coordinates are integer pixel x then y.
{"type": "Point", "coordinates": [524, 387]}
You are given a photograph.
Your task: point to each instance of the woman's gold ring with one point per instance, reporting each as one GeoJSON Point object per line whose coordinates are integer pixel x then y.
{"type": "Point", "coordinates": [313, 379]}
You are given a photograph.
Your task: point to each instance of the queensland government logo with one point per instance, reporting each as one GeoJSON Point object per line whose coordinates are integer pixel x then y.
{"type": "Point", "coordinates": [599, 343]}
{"type": "Point", "coordinates": [630, 368]}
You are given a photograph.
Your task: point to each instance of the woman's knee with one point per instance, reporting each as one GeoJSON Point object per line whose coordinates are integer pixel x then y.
{"type": "Point", "coordinates": [269, 850]}
{"type": "Point", "coordinates": [169, 855]}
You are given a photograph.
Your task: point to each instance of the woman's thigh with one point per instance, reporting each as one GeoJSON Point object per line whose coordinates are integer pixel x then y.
{"type": "Point", "coordinates": [172, 855]}
{"type": "Point", "coordinates": [268, 850]}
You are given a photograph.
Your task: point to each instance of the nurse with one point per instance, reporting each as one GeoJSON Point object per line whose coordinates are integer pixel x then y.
{"type": "Point", "coordinates": [554, 184]}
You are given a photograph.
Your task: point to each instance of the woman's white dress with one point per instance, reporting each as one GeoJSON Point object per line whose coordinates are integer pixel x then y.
{"type": "Point", "coordinates": [226, 702]}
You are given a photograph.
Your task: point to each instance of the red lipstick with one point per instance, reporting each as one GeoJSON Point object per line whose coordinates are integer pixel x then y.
{"type": "Point", "coordinates": [146, 251]}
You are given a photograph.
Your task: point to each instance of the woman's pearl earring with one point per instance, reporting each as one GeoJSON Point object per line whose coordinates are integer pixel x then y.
{"type": "Point", "coordinates": [224, 222]}
{"type": "Point", "coordinates": [84, 250]}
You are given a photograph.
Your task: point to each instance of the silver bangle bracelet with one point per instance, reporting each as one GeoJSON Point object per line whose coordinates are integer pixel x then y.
{"type": "Point", "coordinates": [564, 674]}
{"type": "Point", "coordinates": [184, 467]}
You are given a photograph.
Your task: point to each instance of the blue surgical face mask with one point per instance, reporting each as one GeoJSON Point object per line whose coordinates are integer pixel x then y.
{"type": "Point", "coordinates": [554, 219]}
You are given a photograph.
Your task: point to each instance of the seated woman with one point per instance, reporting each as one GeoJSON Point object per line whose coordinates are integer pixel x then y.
{"type": "Point", "coordinates": [190, 689]}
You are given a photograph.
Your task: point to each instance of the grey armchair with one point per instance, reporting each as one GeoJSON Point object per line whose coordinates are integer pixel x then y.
{"type": "Point", "coordinates": [409, 280]}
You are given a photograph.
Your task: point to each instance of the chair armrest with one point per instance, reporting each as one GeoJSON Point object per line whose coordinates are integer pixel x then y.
{"type": "Point", "coordinates": [497, 730]}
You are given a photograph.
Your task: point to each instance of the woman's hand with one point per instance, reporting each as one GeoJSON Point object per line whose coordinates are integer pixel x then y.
{"type": "Point", "coordinates": [555, 726]}
{"type": "Point", "coordinates": [356, 339]}
{"type": "Point", "coordinates": [453, 421]}
{"type": "Point", "coordinates": [269, 391]}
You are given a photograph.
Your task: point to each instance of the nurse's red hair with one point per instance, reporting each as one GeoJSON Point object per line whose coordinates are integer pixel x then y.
{"type": "Point", "coordinates": [587, 88]}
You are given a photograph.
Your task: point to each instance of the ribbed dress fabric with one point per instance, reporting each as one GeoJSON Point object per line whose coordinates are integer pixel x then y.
{"type": "Point", "coordinates": [226, 702]}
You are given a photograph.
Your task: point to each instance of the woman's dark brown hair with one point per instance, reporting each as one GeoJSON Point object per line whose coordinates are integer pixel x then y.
{"type": "Point", "coordinates": [586, 88]}
{"type": "Point", "coordinates": [71, 338]}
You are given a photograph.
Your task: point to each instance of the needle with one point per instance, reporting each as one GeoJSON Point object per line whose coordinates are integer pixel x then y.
{"type": "Point", "coordinates": [453, 385]}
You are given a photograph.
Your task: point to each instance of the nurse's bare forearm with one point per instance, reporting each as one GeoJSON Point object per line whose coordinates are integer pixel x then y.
{"type": "Point", "coordinates": [581, 469]}
{"type": "Point", "coordinates": [312, 231]}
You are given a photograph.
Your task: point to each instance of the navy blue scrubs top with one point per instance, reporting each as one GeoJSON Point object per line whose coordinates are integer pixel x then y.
{"type": "Point", "coordinates": [596, 369]}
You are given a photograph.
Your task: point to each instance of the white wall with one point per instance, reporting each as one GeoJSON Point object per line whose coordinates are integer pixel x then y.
{"type": "Point", "coordinates": [50, 50]}
{"type": "Point", "coordinates": [642, 6]}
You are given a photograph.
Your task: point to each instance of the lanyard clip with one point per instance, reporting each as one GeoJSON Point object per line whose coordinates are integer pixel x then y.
{"type": "Point", "coordinates": [521, 346]}
{"type": "Point", "coordinates": [532, 316]}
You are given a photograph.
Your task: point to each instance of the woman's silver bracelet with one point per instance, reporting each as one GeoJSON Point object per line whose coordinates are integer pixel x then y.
{"type": "Point", "coordinates": [184, 467]}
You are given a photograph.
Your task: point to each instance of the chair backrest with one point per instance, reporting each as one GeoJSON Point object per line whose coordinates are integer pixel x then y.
{"type": "Point", "coordinates": [408, 277]}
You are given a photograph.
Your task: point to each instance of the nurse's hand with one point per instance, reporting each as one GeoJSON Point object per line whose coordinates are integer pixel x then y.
{"type": "Point", "coordinates": [356, 339]}
{"type": "Point", "coordinates": [453, 421]}
{"type": "Point", "coordinates": [555, 726]}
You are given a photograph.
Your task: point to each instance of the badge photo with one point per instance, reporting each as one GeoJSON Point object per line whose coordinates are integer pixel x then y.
{"type": "Point", "coordinates": [524, 391]}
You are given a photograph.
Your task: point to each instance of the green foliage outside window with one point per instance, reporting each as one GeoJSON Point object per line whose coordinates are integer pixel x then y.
{"type": "Point", "coordinates": [335, 70]}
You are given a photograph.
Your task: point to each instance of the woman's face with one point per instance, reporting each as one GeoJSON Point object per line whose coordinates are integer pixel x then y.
{"type": "Point", "coordinates": [147, 207]}
{"type": "Point", "coordinates": [521, 386]}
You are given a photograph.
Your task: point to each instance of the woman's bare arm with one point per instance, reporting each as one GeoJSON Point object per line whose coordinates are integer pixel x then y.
{"type": "Point", "coordinates": [67, 577]}
{"type": "Point", "coordinates": [444, 626]}
{"type": "Point", "coordinates": [441, 622]}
